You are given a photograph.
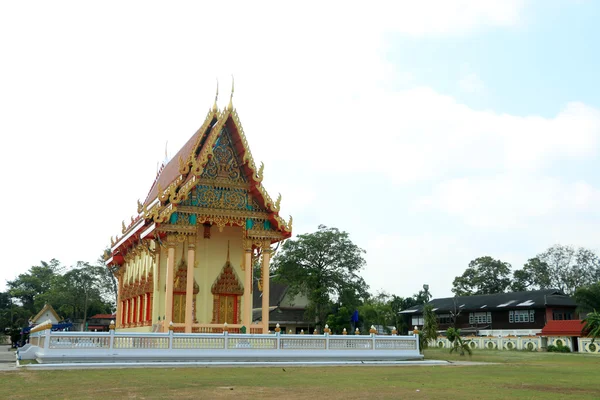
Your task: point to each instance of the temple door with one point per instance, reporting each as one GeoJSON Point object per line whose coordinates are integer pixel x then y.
{"type": "Point", "coordinates": [179, 308]}
{"type": "Point", "coordinates": [227, 294]}
{"type": "Point", "coordinates": [228, 309]}
{"type": "Point", "coordinates": [179, 288]}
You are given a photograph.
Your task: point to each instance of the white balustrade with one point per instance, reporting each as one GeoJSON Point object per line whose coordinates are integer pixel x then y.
{"type": "Point", "coordinates": [350, 343]}
{"type": "Point", "coordinates": [305, 343]}
{"type": "Point", "coordinates": [89, 346]}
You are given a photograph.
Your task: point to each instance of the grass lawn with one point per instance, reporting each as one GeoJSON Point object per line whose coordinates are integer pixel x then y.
{"type": "Point", "coordinates": [514, 374]}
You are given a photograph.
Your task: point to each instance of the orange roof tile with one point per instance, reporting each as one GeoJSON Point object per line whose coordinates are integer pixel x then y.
{"type": "Point", "coordinates": [563, 328]}
{"type": "Point", "coordinates": [170, 172]}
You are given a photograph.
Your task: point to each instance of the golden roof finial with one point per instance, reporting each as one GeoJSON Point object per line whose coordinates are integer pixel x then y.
{"type": "Point", "coordinates": [230, 106]}
{"type": "Point", "coordinates": [228, 251]}
{"type": "Point", "coordinates": [215, 108]}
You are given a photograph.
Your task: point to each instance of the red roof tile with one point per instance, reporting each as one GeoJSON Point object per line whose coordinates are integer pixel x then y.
{"type": "Point", "coordinates": [104, 316]}
{"type": "Point", "coordinates": [170, 171]}
{"type": "Point", "coordinates": [563, 328]}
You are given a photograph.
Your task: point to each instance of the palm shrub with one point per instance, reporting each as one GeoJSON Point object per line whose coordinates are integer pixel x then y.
{"type": "Point", "coordinates": [592, 325]}
{"type": "Point", "coordinates": [457, 344]}
{"type": "Point", "coordinates": [430, 325]}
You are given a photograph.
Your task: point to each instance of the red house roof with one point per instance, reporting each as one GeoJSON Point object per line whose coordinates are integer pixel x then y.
{"type": "Point", "coordinates": [104, 316]}
{"type": "Point", "coordinates": [563, 328]}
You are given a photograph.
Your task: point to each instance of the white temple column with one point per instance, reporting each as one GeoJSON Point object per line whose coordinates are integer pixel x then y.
{"type": "Point", "coordinates": [266, 253]}
{"type": "Point", "coordinates": [247, 301]}
{"type": "Point", "coordinates": [189, 289]}
{"type": "Point", "coordinates": [169, 280]}
{"type": "Point", "coordinates": [156, 287]}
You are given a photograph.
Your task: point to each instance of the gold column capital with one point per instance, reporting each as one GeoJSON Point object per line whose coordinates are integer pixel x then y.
{"type": "Point", "coordinates": [267, 248]}
{"type": "Point", "coordinates": [171, 240]}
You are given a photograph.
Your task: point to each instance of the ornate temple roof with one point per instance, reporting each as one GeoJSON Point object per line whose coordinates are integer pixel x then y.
{"type": "Point", "coordinates": [182, 175]}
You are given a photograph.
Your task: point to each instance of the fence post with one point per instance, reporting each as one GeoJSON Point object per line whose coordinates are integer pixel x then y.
{"type": "Point", "coordinates": [373, 331]}
{"type": "Point", "coordinates": [416, 336]}
{"type": "Point", "coordinates": [47, 333]}
{"type": "Point", "coordinates": [226, 334]}
{"type": "Point", "coordinates": [111, 328]}
{"type": "Point", "coordinates": [171, 335]}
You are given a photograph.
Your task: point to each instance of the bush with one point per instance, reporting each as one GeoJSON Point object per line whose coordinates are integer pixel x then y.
{"type": "Point", "coordinates": [558, 349]}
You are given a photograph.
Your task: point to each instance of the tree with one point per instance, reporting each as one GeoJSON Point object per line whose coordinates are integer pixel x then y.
{"type": "Point", "coordinates": [107, 282]}
{"type": "Point", "coordinates": [26, 287]}
{"type": "Point", "coordinates": [340, 320]}
{"type": "Point", "coordinates": [534, 275]}
{"type": "Point", "coordinates": [569, 269]}
{"type": "Point", "coordinates": [592, 325]}
{"type": "Point", "coordinates": [483, 276]}
{"type": "Point", "coordinates": [588, 297]}
{"type": "Point", "coordinates": [430, 325]}
{"type": "Point", "coordinates": [322, 265]}
{"type": "Point", "coordinates": [456, 342]}
{"type": "Point", "coordinates": [377, 310]}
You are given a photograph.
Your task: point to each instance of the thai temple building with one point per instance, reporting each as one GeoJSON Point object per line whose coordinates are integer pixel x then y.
{"type": "Point", "coordinates": [205, 225]}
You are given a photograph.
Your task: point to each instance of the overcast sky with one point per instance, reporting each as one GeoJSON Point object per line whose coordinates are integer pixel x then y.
{"type": "Point", "coordinates": [434, 132]}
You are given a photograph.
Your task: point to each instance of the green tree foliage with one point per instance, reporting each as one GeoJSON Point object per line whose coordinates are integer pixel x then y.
{"type": "Point", "coordinates": [591, 326]}
{"type": "Point", "coordinates": [457, 344]}
{"type": "Point", "coordinates": [340, 320]}
{"type": "Point", "coordinates": [26, 287]}
{"type": "Point", "coordinates": [484, 275]}
{"type": "Point", "coordinates": [377, 311]}
{"type": "Point", "coordinates": [588, 297]}
{"type": "Point", "coordinates": [534, 275]}
{"type": "Point", "coordinates": [107, 282]}
{"type": "Point", "coordinates": [570, 268]}
{"type": "Point", "coordinates": [75, 293]}
{"type": "Point", "coordinates": [430, 325]}
{"type": "Point", "coordinates": [322, 265]}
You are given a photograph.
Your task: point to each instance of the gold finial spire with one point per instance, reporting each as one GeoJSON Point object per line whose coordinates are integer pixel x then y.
{"type": "Point", "coordinates": [230, 106]}
{"type": "Point", "coordinates": [228, 251]}
{"type": "Point", "coordinates": [215, 108]}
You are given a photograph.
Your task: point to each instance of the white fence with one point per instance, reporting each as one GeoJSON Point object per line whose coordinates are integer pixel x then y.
{"type": "Point", "coordinates": [531, 343]}
{"type": "Point", "coordinates": [52, 347]}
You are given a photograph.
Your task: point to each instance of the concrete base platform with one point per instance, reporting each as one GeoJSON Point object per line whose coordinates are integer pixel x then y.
{"type": "Point", "coordinates": [218, 364]}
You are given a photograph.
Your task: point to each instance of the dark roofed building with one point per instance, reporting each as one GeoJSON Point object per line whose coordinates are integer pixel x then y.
{"type": "Point", "coordinates": [100, 322]}
{"type": "Point", "coordinates": [285, 310]}
{"type": "Point", "coordinates": [516, 313]}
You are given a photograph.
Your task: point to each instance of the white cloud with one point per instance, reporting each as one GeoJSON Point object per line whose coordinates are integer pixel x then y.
{"type": "Point", "coordinates": [403, 263]}
{"type": "Point", "coordinates": [511, 201]}
{"type": "Point", "coordinates": [449, 17]}
{"type": "Point", "coordinates": [90, 95]}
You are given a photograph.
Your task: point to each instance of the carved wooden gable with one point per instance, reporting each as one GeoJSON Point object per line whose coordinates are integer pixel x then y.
{"type": "Point", "coordinates": [180, 280]}
{"type": "Point", "coordinates": [227, 282]}
{"type": "Point", "coordinates": [224, 165]}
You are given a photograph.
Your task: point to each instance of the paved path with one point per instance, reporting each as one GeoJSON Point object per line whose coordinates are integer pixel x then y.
{"type": "Point", "coordinates": [7, 359]}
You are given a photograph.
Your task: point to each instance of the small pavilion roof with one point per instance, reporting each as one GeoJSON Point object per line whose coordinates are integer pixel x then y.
{"type": "Point", "coordinates": [47, 307]}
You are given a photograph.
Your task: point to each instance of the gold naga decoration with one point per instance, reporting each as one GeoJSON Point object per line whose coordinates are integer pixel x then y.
{"type": "Point", "coordinates": [123, 227]}
{"type": "Point", "coordinates": [140, 206]}
{"type": "Point", "coordinates": [184, 167]}
{"type": "Point", "coordinates": [278, 202]}
{"type": "Point", "coordinates": [261, 170]}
